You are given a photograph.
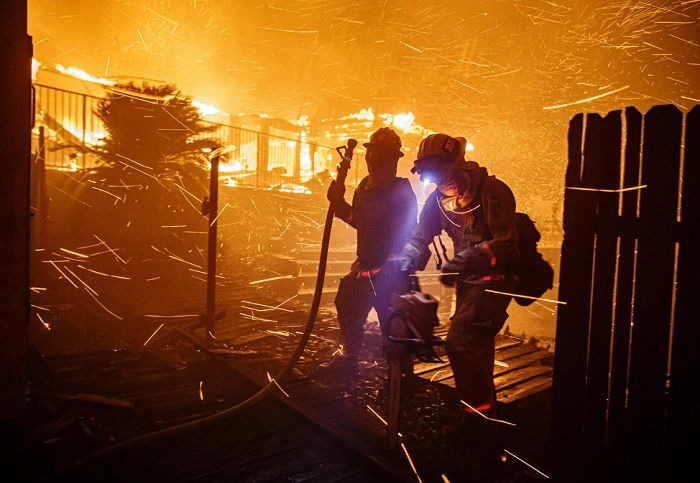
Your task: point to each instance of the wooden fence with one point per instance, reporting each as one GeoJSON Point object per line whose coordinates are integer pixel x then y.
{"type": "Point", "coordinates": [626, 343]}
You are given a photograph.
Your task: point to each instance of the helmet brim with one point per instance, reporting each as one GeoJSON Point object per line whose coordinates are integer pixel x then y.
{"type": "Point", "coordinates": [431, 156]}
{"type": "Point", "coordinates": [367, 145]}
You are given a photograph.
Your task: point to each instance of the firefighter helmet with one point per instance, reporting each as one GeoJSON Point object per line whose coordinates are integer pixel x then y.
{"type": "Point", "coordinates": [386, 138]}
{"type": "Point", "coordinates": [443, 146]}
{"type": "Point", "coordinates": [438, 152]}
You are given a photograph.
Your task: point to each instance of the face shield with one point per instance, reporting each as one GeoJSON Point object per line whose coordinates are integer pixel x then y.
{"type": "Point", "coordinates": [432, 169]}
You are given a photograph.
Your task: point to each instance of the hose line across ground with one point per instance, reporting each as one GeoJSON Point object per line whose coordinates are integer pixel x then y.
{"type": "Point", "coordinates": [185, 428]}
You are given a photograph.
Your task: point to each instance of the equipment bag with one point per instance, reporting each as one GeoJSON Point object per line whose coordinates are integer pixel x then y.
{"type": "Point", "coordinates": [533, 273]}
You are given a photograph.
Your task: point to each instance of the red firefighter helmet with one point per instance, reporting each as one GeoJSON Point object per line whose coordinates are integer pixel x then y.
{"type": "Point", "coordinates": [438, 152]}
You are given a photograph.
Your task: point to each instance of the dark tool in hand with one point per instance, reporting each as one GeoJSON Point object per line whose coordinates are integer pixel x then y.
{"type": "Point", "coordinates": [413, 320]}
{"type": "Point", "coordinates": [409, 331]}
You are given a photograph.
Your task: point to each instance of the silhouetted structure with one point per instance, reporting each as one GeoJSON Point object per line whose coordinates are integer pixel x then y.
{"type": "Point", "coordinates": [626, 343]}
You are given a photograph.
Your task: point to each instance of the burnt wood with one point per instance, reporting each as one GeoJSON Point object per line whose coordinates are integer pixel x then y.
{"type": "Point", "coordinates": [623, 377]}
{"type": "Point", "coordinates": [683, 411]}
{"type": "Point", "coordinates": [625, 281]}
{"type": "Point", "coordinates": [572, 319]}
{"type": "Point", "coordinates": [602, 169]}
{"type": "Point", "coordinates": [654, 285]}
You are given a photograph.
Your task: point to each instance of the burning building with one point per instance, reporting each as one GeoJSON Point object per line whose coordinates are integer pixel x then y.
{"type": "Point", "coordinates": [169, 269]}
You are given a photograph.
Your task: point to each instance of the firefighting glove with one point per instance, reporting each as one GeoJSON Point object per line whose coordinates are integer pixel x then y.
{"type": "Point", "coordinates": [336, 192]}
{"type": "Point", "coordinates": [406, 261]}
{"type": "Point", "coordinates": [468, 263]}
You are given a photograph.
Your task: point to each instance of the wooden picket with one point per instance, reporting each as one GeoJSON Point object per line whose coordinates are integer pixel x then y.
{"type": "Point", "coordinates": [684, 410]}
{"type": "Point", "coordinates": [625, 343]}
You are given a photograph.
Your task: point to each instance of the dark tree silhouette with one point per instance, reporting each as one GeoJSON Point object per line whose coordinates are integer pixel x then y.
{"type": "Point", "coordinates": [151, 129]}
{"type": "Point", "coordinates": [153, 170]}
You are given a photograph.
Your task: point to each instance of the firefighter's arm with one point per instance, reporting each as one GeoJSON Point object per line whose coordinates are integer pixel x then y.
{"type": "Point", "coordinates": [405, 211]}
{"type": "Point", "coordinates": [499, 214]}
{"type": "Point", "coordinates": [415, 254]}
{"type": "Point", "coordinates": [343, 210]}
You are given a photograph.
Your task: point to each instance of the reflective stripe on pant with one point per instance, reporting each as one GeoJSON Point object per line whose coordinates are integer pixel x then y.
{"type": "Point", "coordinates": [471, 344]}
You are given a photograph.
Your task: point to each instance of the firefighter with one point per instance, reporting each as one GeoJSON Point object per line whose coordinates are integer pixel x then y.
{"type": "Point", "coordinates": [477, 211]}
{"type": "Point", "coordinates": [383, 211]}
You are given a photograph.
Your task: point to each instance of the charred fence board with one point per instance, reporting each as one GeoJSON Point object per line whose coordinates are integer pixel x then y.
{"type": "Point", "coordinates": [684, 411]}
{"type": "Point", "coordinates": [574, 287]}
{"type": "Point", "coordinates": [601, 157]}
{"type": "Point", "coordinates": [625, 282]}
{"type": "Point", "coordinates": [654, 282]}
{"type": "Point", "coordinates": [622, 379]}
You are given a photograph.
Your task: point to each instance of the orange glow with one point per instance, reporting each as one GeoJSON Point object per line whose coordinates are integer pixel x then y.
{"type": "Point", "coordinates": [81, 74]}
{"type": "Point", "coordinates": [204, 108]}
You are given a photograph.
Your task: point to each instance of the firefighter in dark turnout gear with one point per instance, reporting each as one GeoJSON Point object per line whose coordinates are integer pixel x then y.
{"type": "Point", "coordinates": [383, 211]}
{"type": "Point", "coordinates": [477, 211]}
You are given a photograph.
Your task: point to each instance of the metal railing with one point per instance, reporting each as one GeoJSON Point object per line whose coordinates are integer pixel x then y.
{"type": "Point", "coordinates": [253, 159]}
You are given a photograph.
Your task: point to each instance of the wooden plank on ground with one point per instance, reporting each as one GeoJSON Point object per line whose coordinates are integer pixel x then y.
{"type": "Point", "coordinates": [504, 342]}
{"type": "Point", "coordinates": [246, 339]}
{"type": "Point", "coordinates": [512, 378]}
{"type": "Point", "coordinates": [257, 375]}
{"type": "Point", "coordinates": [522, 361]}
{"type": "Point", "coordinates": [515, 351]}
{"type": "Point", "coordinates": [525, 360]}
{"type": "Point", "coordinates": [428, 367]}
{"type": "Point", "coordinates": [533, 386]}
{"type": "Point", "coordinates": [654, 285]}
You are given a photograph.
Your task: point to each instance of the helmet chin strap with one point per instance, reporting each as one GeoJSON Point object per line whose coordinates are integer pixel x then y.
{"type": "Point", "coordinates": [456, 183]}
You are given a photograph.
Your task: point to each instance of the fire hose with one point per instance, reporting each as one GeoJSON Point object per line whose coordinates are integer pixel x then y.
{"type": "Point", "coordinates": [345, 153]}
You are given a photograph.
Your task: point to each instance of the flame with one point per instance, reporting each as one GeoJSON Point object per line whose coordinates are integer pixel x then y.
{"type": "Point", "coordinates": [35, 68]}
{"type": "Point", "coordinates": [206, 109]}
{"type": "Point", "coordinates": [303, 121]}
{"type": "Point", "coordinates": [81, 74]}
{"type": "Point", "coordinates": [363, 115]}
{"type": "Point", "coordinates": [231, 167]}
{"type": "Point", "coordinates": [91, 137]}
{"type": "Point", "coordinates": [305, 156]}
{"type": "Point", "coordinates": [403, 121]}
{"type": "Point", "coordinates": [294, 188]}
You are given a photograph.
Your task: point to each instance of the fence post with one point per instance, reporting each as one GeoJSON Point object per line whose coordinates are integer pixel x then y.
{"type": "Point", "coordinates": [312, 156]}
{"type": "Point", "coordinates": [684, 414]}
{"type": "Point", "coordinates": [262, 155]}
{"type": "Point", "coordinates": [84, 130]}
{"type": "Point", "coordinates": [211, 246]}
{"type": "Point", "coordinates": [40, 200]}
{"type": "Point", "coordinates": [297, 160]}
{"type": "Point", "coordinates": [572, 319]}
{"type": "Point", "coordinates": [654, 290]}
{"type": "Point", "coordinates": [15, 124]}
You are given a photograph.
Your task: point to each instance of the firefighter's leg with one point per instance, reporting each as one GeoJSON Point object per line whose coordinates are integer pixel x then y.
{"type": "Point", "coordinates": [383, 285]}
{"type": "Point", "coordinates": [353, 302]}
{"type": "Point", "coordinates": [470, 346]}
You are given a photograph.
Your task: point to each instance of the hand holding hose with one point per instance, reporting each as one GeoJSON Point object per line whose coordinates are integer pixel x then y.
{"type": "Point", "coordinates": [336, 192]}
